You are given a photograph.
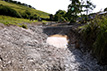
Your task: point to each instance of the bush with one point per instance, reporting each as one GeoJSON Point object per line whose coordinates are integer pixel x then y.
{"type": "Point", "coordinates": [95, 36]}
{"type": "Point", "coordinates": [4, 10]}
{"type": "Point", "coordinates": [24, 26]}
{"type": "Point", "coordinates": [100, 47]}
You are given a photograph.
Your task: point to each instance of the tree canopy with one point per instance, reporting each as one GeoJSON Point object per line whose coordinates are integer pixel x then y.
{"type": "Point", "coordinates": [77, 7]}
{"type": "Point", "coordinates": [60, 15]}
{"type": "Point", "coordinates": [105, 9]}
{"type": "Point", "coordinates": [74, 9]}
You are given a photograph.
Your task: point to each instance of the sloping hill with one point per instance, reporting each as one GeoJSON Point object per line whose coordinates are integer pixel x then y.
{"type": "Point", "coordinates": [21, 9]}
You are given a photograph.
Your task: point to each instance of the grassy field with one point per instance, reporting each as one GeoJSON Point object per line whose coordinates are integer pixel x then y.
{"type": "Point", "coordinates": [14, 21]}
{"type": "Point", "coordinates": [7, 20]}
{"type": "Point", "coordinates": [21, 9]}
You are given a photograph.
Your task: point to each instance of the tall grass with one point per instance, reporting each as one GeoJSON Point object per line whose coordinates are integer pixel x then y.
{"type": "Point", "coordinates": [14, 21]}
{"type": "Point", "coordinates": [95, 36]}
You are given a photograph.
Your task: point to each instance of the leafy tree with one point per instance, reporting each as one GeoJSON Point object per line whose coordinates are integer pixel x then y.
{"type": "Point", "coordinates": [74, 9]}
{"type": "Point", "coordinates": [51, 17]}
{"type": "Point", "coordinates": [77, 7]}
{"type": "Point", "coordinates": [19, 3]}
{"type": "Point", "coordinates": [60, 15]}
{"type": "Point", "coordinates": [87, 6]}
{"type": "Point", "coordinates": [105, 9]}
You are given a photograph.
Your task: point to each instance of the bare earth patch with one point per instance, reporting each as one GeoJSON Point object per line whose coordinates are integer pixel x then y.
{"type": "Point", "coordinates": [59, 41]}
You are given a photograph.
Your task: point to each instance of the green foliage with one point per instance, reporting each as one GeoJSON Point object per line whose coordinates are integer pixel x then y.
{"type": "Point", "coordinates": [95, 36]}
{"type": "Point", "coordinates": [51, 17]}
{"type": "Point", "coordinates": [100, 47]}
{"type": "Point", "coordinates": [73, 10]}
{"type": "Point", "coordinates": [24, 26]}
{"type": "Point", "coordinates": [77, 7]}
{"type": "Point", "coordinates": [105, 9]}
{"type": "Point", "coordinates": [21, 9]}
{"type": "Point", "coordinates": [26, 14]}
{"type": "Point", "coordinates": [87, 6]}
{"type": "Point", "coordinates": [60, 16]}
{"type": "Point", "coordinates": [14, 21]}
{"type": "Point", "coordinates": [4, 10]}
{"type": "Point", "coordinates": [84, 19]}
{"type": "Point", "coordinates": [44, 23]}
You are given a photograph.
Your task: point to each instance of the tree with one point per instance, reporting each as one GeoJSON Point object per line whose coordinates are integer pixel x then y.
{"type": "Point", "coordinates": [77, 7]}
{"type": "Point", "coordinates": [74, 9]}
{"type": "Point", "coordinates": [87, 6]}
{"type": "Point", "coordinates": [60, 15]}
{"type": "Point", "coordinates": [105, 9]}
{"type": "Point", "coordinates": [51, 17]}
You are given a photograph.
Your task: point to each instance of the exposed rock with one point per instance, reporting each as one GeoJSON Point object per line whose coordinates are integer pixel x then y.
{"type": "Point", "coordinates": [27, 50]}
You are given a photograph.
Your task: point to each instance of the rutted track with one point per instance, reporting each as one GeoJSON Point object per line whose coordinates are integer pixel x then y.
{"type": "Point", "coordinates": [27, 50]}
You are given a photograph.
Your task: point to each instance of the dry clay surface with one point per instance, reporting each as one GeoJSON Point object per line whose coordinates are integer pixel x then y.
{"type": "Point", "coordinates": [27, 50]}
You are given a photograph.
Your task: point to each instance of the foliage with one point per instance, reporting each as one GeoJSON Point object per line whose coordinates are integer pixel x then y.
{"type": "Point", "coordinates": [74, 9]}
{"type": "Point", "coordinates": [77, 7]}
{"type": "Point", "coordinates": [4, 10]}
{"type": "Point", "coordinates": [95, 36]}
{"type": "Point", "coordinates": [24, 26]}
{"type": "Point", "coordinates": [60, 16]}
{"type": "Point", "coordinates": [14, 21]}
{"type": "Point", "coordinates": [87, 6]}
{"type": "Point", "coordinates": [51, 17]}
{"type": "Point", "coordinates": [21, 9]}
{"type": "Point", "coordinates": [105, 9]}
{"type": "Point", "coordinates": [16, 2]}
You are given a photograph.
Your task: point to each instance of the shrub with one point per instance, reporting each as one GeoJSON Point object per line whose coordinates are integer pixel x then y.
{"type": "Point", "coordinates": [4, 10]}
{"type": "Point", "coordinates": [100, 47]}
{"type": "Point", "coordinates": [24, 26]}
{"type": "Point", "coordinates": [95, 36]}
{"type": "Point", "coordinates": [44, 23]}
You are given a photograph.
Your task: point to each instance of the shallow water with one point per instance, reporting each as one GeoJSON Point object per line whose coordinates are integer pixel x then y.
{"type": "Point", "coordinates": [58, 41]}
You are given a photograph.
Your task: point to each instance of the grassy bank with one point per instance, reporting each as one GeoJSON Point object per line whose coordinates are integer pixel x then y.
{"type": "Point", "coordinates": [14, 21]}
{"type": "Point", "coordinates": [94, 35]}
{"type": "Point", "coordinates": [20, 9]}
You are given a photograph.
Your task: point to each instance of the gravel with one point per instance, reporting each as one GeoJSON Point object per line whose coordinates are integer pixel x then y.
{"type": "Point", "coordinates": [27, 50]}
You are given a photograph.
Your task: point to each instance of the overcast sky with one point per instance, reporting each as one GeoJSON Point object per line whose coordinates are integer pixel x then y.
{"type": "Point", "coordinates": [51, 6]}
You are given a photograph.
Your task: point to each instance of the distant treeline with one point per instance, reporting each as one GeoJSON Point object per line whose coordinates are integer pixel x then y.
{"type": "Point", "coordinates": [16, 2]}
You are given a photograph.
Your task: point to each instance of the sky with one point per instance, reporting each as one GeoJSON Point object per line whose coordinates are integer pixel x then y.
{"type": "Point", "coordinates": [51, 6]}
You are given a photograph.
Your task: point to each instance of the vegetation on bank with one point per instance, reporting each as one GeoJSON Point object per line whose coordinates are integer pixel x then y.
{"type": "Point", "coordinates": [14, 21]}
{"type": "Point", "coordinates": [94, 35]}
{"type": "Point", "coordinates": [7, 20]}
{"type": "Point", "coordinates": [21, 11]}
{"type": "Point", "coordinates": [17, 2]}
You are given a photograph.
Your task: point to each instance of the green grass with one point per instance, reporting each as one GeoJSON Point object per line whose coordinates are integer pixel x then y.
{"type": "Point", "coordinates": [21, 9]}
{"type": "Point", "coordinates": [7, 20]}
{"type": "Point", "coordinates": [14, 21]}
{"type": "Point", "coordinates": [94, 36]}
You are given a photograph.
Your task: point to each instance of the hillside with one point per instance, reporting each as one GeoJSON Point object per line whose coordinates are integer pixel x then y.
{"type": "Point", "coordinates": [20, 9]}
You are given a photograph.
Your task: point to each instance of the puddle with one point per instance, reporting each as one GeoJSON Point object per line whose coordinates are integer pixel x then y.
{"type": "Point", "coordinates": [58, 41]}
